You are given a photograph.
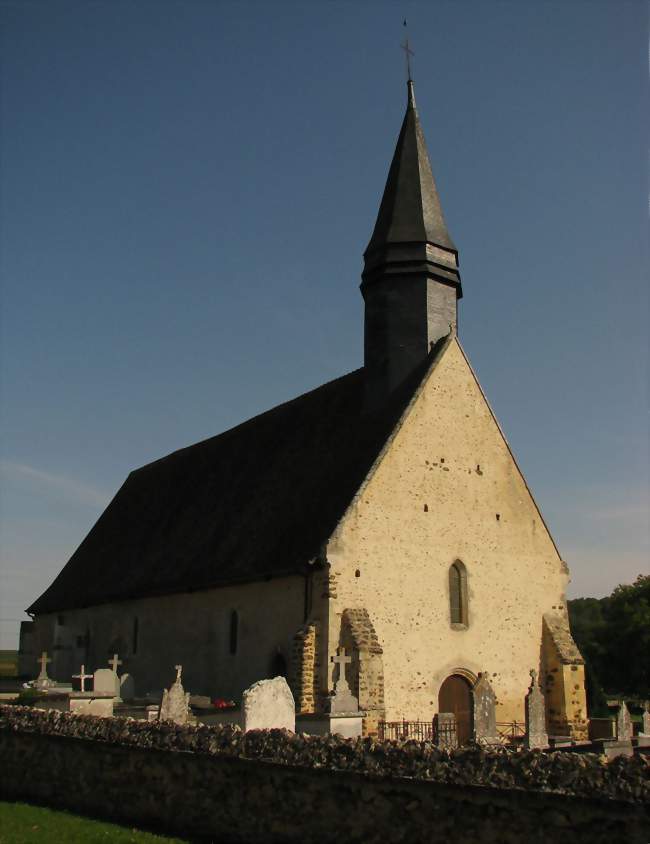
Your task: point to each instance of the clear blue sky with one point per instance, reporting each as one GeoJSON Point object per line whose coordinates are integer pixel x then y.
{"type": "Point", "coordinates": [187, 191]}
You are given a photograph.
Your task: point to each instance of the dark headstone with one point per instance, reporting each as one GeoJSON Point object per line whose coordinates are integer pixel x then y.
{"type": "Point", "coordinates": [485, 717]}
{"type": "Point", "coordinates": [536, 735]}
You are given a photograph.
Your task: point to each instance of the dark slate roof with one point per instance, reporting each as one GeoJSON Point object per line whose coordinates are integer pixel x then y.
{"type": "Point", "coordinates": [410, 209]}
{"type": "Point", "coordinates": [255, 502]}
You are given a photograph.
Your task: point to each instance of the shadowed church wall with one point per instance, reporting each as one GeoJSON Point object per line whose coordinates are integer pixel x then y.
{"type": "Point", "coordinates": [193, 629]}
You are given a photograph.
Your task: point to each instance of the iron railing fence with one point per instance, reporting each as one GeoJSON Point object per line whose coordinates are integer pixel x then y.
{"type": "Point", "coordinates": [402, 730]}
{"type": "Point", "coordinates": [444, 733]}
{"type": "Point", "coordinates": [511, 732]}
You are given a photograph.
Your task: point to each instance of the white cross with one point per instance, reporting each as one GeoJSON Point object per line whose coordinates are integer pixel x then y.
{"type": "Point", "coordinates": [179, 669]}
{"type": "Point", "coordinates": [341, 660]}
{"type": "Point", "coordinates": [114, 663]}
{"type": "Point", "coordinates": [82, 677]}
{"type": "Point", "coordinates": [44, 659]}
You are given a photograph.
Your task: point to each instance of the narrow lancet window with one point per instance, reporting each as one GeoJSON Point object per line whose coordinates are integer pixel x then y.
{"type": "Point", "coordinates": [458, 594]}
{"type": "Point", "coordinates": [234, 630]}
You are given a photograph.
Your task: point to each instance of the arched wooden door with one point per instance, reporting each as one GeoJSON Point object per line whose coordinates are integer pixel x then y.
{"type": "Point", "coordinates": [455, 696]}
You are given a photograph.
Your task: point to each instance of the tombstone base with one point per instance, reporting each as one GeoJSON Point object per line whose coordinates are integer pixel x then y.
{"type": "Point", "coordinates": [341, 702]}
{"type": "Point", "coordinates": [642, 740]}
{"type": "Point", "coordinates": [89, 705]}
{"type": "Point", "coordinates": [612, 749]}
{"type": "Point", "coordinates": [488, 740]}
{"type": "Point", "coordinates": [348, 725]}
{"type": "Point", "coordinates": [536, 742]}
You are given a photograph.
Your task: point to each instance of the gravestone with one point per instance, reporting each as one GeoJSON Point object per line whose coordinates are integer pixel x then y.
{"type": "Point", "coordinates": [175, 704]}
{"type": "Point", "coordinates": [445, 730]}
{"type": "Point", "coordinates": [643, 738]}
{"type": "Point", "coordinates": [342, 699]}
{"type": "Point", "coordinates": [485, 716]}
{"type": "Point", "coordinates": [106, 681]}
{"type": "Point", "coordinates": [114, 662]}
{"type": "Point", "coordinates": [43, 681]}
{"type": "Point", "coordinates": [536, 735]}
{"type": "Point", "coordinates": [82, 677]}
{"type": "Point", "coordinates": [127, 687]}
{"type": "Point", "coordinates": [623, 723]}
{"type": "Point", "coordinates": [267, 705]}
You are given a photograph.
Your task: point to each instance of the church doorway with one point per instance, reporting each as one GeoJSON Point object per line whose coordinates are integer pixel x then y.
{"type": "Point", "coordinates": [455, 696]}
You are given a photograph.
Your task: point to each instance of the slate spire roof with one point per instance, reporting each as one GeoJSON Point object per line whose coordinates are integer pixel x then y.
{"type": "Point", "coordinates": [410, 210]}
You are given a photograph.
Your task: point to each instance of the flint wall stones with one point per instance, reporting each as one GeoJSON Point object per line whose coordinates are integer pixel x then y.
{"type": "Point", "coordinates": [255, 786]}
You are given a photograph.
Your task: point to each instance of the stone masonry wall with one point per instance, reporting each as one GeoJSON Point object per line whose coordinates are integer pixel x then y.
{"type": "Point", "coordinates": [222, 783]}
{"type": "Point", "coordinates": [303, 663]}
{"type": "Point", "coordinates": [564, 680]}
{"type": "Point", "coordinates": [358, 636]}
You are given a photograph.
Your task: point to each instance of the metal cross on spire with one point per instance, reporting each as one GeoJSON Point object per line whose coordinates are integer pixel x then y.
{"type": "Point", "coordinates": [408, 52]}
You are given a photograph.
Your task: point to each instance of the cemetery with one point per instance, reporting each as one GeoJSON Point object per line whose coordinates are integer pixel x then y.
{"type": "Point", "coordinates": [338, 616]}
{"type": "Point", "coordinates": [242, 772]}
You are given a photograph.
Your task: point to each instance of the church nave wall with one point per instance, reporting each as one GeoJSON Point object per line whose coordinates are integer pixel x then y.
{"type": "Point", "coordinates": [193, 629]}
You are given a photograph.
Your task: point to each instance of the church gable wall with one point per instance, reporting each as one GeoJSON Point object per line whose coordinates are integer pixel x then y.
{"type": "Point", "coordinates": [447, 489]}
{"type": "Point", "coordinates": [191, 629]}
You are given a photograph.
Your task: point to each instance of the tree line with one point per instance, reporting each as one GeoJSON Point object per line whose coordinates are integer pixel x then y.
{"type": "Point", "coordinates": [613, 635]}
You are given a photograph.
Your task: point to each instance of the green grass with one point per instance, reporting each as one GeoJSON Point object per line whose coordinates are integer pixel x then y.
{"type": "Point", "coordinates": [23, 824]}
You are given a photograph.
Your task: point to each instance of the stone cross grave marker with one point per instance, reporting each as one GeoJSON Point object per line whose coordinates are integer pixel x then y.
{"type": "Point", "coordinates": [268, 705]}
{"type": "Point", "coordinates": [82, 677]}
{"type": "Point", "coordinates": [43, 681]}
{"type": "Point", "coordinates": [175, 704]}
{"type": "Point", "coordinates": [114, 662]}
{"type": "Point", "coordinates": [623, 723]}
{"type": "Point", "coordinates": [342, 699]}
{"type": "Point", "coordinates": [536, 735]}
{"type": "Point", "coordinates": [485, 718]}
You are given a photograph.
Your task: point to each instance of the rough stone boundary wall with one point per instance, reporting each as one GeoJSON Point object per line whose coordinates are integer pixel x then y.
{"type": "Point", "coordinates": [274, 786]}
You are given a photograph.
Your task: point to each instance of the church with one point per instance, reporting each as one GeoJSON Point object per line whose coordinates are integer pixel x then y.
{"type": "Point", "coordinates": [382, 512]}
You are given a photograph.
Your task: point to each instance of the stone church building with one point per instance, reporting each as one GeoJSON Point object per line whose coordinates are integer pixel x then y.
{"type": "Point", "coordinates": [383, 512]}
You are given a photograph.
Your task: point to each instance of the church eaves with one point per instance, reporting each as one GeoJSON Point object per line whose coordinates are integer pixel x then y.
{"type": "Point", "coordinates": [410, 210]}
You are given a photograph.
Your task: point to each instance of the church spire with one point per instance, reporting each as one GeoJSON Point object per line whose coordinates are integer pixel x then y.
{"type": "Point", "coordinates": [410, 210]}
{"type": "Point", "coordinates": [410, 280]}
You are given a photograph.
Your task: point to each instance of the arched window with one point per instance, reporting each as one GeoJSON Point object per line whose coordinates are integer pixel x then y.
{"type": "Point", "coordinates": [234, 630]}
{"type": "Point", "coordinates": [458, 594]}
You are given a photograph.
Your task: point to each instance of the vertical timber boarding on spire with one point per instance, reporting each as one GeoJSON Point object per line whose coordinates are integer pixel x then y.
{"type": "Point", "coordinates": [410, 281]}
